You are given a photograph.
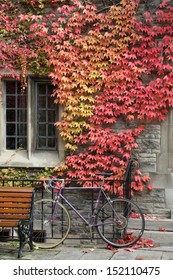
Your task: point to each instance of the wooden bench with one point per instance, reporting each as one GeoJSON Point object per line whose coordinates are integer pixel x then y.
{"type": "Point", "coordinates": [16, 210]}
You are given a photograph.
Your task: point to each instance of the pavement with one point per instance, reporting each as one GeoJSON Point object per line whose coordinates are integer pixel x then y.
{"type": "Point", "coordinates": [8, 251]}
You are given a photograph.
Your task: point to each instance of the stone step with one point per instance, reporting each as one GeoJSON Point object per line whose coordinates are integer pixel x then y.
{"type": "Point", "coordinates": [158, 224]}
{"type": "Point", "coordinates": [159, 238]}
{"type": "Point", "coordinates": [159, 230]}
{"type": "Point", "coordinates": [162, 213]}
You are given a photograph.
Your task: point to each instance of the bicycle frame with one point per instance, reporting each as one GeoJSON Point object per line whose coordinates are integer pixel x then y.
{"type": "Point", "coordinates": [89, 222]}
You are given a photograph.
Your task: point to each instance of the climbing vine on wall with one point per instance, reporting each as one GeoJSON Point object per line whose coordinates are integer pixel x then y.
{"type": "Point", "coordinates": [120, 69]}
{"type": "Point", "coordinates": [106, 62]}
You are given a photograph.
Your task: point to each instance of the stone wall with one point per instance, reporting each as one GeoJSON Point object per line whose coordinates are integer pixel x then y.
{"type": "Point", "coordinates": [149, 148]}
{"type": "Point", "coordinates": [153, 203]}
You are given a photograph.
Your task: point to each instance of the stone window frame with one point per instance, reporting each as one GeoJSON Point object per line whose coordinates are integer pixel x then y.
{"type": "Point", "coordinates": [29, 157]}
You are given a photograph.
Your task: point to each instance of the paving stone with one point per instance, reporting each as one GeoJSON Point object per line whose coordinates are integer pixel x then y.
{"type": "Point", "coordinates": [167, 256]}
{"type": "Point", "coordinates": [97, 254]}
{"type": "Point", "coordinates": [40, 255]}
{"type": "Point", "coordinates": [69, 253]}
{"type": "Point", "coordinates": [124, 255]}
{"type": "Point", "coordinates": [149, 255]}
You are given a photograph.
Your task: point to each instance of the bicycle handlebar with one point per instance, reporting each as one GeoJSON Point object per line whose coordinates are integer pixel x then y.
{"type": "Point", "coordinates": [54, 180]}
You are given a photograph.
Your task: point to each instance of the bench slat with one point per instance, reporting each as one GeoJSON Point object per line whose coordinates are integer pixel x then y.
{"type": "Point", "coordinates": [16, 216]}
{"type": "Point", "coordinates": [15, 199]}
{"type": "Point", "coordinates": [16, 190]}
{"type": "Point", "coordinates": [15, 194]}
{"type": "Point", "coordinates": [9, 223]}
{"type": "Point", "coordinates": [14, 205]}
{"type": "Point", "coordinates": [14, 211]}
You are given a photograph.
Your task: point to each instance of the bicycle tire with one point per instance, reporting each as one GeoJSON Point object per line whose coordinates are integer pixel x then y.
{"type": "Point", "coordinates": [49, 232]}
{"type": "Point", "coordinates": [120, 222]}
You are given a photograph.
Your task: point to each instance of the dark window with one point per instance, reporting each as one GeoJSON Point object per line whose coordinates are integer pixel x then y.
{"type": "Point", "coordinates": [16, 116]}
{"type": "Point", "coordinates": [46, 117]}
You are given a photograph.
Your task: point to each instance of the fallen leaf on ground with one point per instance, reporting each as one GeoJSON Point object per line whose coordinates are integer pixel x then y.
{"type": "Point", "coordinates": [141, 243]}
{"type": "Point", "coordinates": [129, 249]}
{"type": "Point", "coordinates": [162, 229]}
{"type": "Point", "coordinates": [86, 251]}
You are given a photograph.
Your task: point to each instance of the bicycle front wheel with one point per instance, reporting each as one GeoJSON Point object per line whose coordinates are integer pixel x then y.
{"type": "Point", "coordinates": [51, 223]}
{"type": "Point", "coordinates": [120, 222]}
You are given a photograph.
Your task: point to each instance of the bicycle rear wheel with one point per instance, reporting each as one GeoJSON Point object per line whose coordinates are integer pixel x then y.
{"type": "Point", "coordinates": [49, 230]}
{"type": "Point", "coordinates": [120, 222]}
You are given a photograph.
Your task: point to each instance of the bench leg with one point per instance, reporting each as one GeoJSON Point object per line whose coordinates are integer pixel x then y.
{"type": "Point", "coordinates": [25, 235]}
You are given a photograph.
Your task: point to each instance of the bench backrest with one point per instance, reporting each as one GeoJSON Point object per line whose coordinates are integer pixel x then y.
{"type": "Point", "coordinates": [15, 204]}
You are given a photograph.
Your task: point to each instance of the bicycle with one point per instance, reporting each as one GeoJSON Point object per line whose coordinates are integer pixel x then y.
{"type": "Point", "coordinates": [119, 222]}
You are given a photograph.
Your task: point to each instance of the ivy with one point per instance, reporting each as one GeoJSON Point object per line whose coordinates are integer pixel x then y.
{"type": "Point", "coordinates": [106, 63]}
{"type": "Point", "coordinates": [12, 176]}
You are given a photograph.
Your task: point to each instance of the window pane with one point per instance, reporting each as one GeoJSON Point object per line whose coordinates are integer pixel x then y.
{"type": "Point", "coordinates": [11, 129]}
{"type": "Point", "coordinates": [42, 116]}
{"type": "Point", "coordinates": [51, 116]}
{"type": "Point", "coordinates": [49, 89]}
{"type": "Point", "coordinates": [21, 116]}
{"type": "Point", "coordinates": [10, 143]}
{"type": "Point", "coordinates": [21, 129]}
{"type": "Point", "coordinates": [42, 88]}
{"type": "Point", "coordinates": [18, 85]}
{"type": "Point", "coordinates": [51, 130]}
{"type": "Point", "coordinates": [10, 101]}
{"type": "Point", "coordinates": [21, 143]}
{"type": "Point", "coordinates": [42, 130]}
{"type": "Point", "coordinates": [10, 115]}
{"type": "Point", "coordinates": [21, 101]}
{"type": "Point", "coordinates": [10, 87]}
{"type": "Point", "coordinates": [51, 143]}
{"type": "Point", "coordinates": [50, 102]}
{"type": "Point", "coordinates": [42, 143]}
{"type": "Point", "coordinates": [42, 101]}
